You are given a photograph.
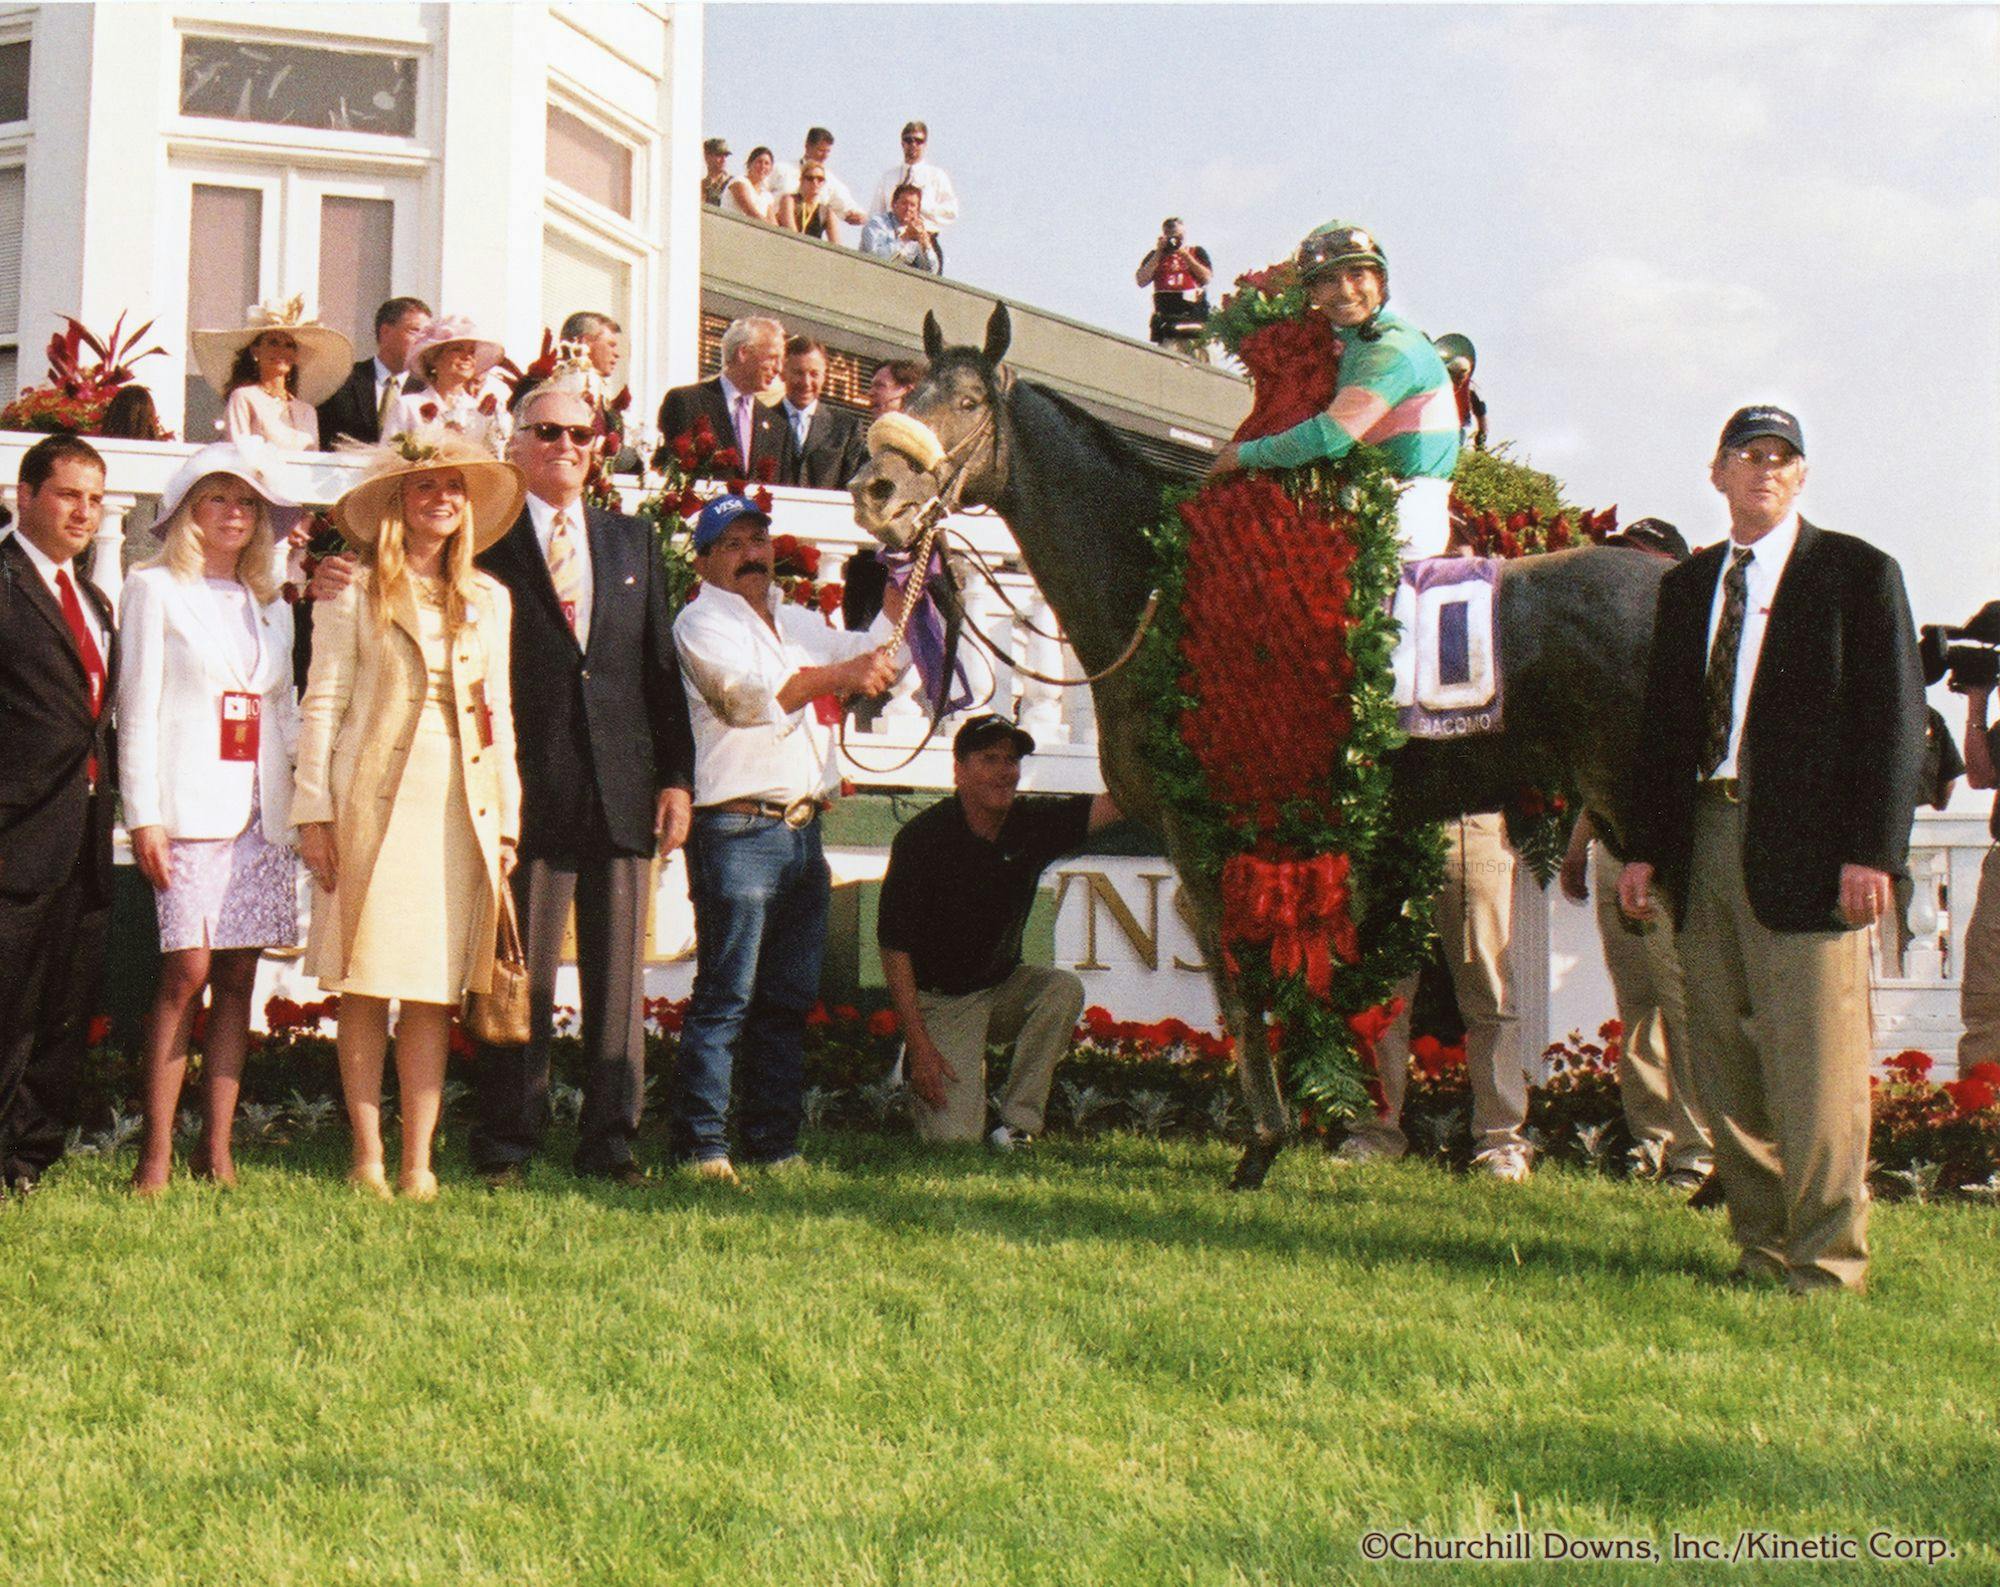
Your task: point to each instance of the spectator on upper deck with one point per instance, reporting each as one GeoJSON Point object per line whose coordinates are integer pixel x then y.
{"type": "Point", "coordinates": [808, 211]}
{"type": "Point", "coordinates": [715, 178]}
{"type": "Point", "coordinates": [900, 235]}
{"type": "Point", "coordinates": [747, 195]}
{"type": "Point", "coordinates": [940, 200]}
{"type": "Point", "coordinates": [364, 399]}
{"type": "Point", "coordinates": [835, 193]}
{"type": "Point", "coordinates": [271, 371]}
{"type": "Point", "coordinates": [892, 382]}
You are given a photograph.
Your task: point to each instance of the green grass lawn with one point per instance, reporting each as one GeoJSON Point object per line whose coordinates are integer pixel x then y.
{"type": "Point", "coordinates": [1084, 1364]}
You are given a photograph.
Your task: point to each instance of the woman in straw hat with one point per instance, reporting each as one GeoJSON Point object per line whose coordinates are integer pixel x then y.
{"type": "Point", "coordinates": [273, 372]}
{"type": "Point", "coordinates": [206, 726]}
{"type": "Point", "coordinates": [465, 396]}
{"type": "Point", "coordinates": [407, 797]}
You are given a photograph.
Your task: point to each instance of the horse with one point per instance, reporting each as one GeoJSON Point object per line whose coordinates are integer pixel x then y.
{"type": "Point", "coordinates": [1575, 629]}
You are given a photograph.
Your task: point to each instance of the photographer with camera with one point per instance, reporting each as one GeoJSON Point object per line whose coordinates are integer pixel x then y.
{"type": "Point", "coordinates": [1973, 670]}
{"type": "Point", "coordinates": [1178, 276]}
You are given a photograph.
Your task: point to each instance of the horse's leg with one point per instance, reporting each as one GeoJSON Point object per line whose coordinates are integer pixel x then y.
{"type": "Point", "coordinates": [1256, 1066]}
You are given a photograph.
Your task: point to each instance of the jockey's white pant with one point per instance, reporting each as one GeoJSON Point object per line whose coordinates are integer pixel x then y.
{"type": "Point", "coordinates": [1423, 517]}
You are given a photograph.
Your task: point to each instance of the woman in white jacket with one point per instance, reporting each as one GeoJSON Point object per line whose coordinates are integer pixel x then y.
{"type": "Point", "coordinates": [207, 727]}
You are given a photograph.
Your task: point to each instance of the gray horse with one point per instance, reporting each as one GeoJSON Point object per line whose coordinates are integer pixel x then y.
{"type": "Point", "coordinates": [1575, 630]}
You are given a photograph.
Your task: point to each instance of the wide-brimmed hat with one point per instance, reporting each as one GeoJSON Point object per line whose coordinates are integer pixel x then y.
{"type": "Point", "coordinates": [495, 490]}
{"type": "Point", "coordinates": [455, 328]}
{"type": "Point", "coordinates": [250, 459]}
{"type": "Point", "coordinates": [325, 356]}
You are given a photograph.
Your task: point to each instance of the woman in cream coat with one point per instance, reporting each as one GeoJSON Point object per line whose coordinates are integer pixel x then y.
{"type": "Point", "coordinates": [206, 729]}
{"type": "Point", "coordinates": [407, 797]}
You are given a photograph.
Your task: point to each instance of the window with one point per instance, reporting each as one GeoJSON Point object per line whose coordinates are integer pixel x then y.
{"type": "Point", "coordinates": [13, 191]}
{"type": "Point", "coordinates": [225, 265]}
{"type": "Point", "coordinates": [355, 264]}
{"type": "Point", "coordinates": [577, 277]}
{"type": "Point", "coordinates": [295, 85]}
{"type": "Point", "coordinates": [589, 162]}
{"type": "Point", "coordinates": [14, 81]}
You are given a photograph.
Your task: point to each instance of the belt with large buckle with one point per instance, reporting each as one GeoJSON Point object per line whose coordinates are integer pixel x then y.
{"type": "Point", "coordinates": [799, 813]}
{"type": "Point", "coordinates": [1729, 789]}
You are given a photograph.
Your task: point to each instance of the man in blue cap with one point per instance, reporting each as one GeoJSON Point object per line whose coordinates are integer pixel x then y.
{"type": "Point", "coordinates": [1779, 763]}
{"type": "Point", "coordinates": [765, 682]}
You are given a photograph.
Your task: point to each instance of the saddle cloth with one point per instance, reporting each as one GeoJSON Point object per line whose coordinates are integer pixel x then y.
{"type": "Point", "coordinates": [1447, 657]}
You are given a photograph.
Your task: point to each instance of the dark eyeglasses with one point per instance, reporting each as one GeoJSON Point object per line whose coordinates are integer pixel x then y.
{"type": "Point", "coordinates": [581, 434]}
{"type": "Point", "coordinates": [911, 137]}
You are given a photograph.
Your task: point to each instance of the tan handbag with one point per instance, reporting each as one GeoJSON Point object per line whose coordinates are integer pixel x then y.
{"type": "Point", "coordinates": [499, 1017]}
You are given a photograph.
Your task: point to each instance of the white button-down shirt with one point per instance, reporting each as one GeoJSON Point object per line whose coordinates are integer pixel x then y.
{"type": "Point", "coordinates": [1760, 582]}
{"type": "Point", "coordinates": [940, 201]}
{"type": "Point", "coordinates": [543, 516]}
{"type": "Point", "coordinates": [48, 570]}
{"type": "Point", "coordinates": [746, 745]}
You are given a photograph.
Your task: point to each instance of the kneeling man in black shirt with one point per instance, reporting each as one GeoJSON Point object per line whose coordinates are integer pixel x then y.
{"type": "Point", "coordinates": [961, 881]}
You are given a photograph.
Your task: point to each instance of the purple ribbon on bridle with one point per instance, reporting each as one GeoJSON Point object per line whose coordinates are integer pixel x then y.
{"type": "Point", "coordinates": [925, 632]}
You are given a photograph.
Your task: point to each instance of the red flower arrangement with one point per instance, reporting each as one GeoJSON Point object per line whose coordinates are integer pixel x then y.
{"type": "Point", "coordinates": [73, 398]}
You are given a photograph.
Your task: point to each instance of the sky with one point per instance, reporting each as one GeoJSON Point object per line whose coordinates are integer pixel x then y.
{"type": "Point", "coordinates": [1643, 216]}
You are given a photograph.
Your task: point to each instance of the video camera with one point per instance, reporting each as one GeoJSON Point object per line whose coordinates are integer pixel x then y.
{"type": "Point", "coordinates": [1971, 665]}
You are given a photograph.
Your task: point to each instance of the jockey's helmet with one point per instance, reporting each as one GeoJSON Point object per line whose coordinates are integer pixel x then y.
{"type": "Point", "coordinates": [1339, 243]}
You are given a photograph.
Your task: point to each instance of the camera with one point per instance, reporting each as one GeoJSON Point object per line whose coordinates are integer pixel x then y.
{"type": "Point", "coordinates": [1170, 241]}
{"type": "Point", "coordinates": [1969, 655]}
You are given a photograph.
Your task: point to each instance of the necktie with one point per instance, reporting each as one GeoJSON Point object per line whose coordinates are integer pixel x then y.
{"type": "Point", "coordinates": [566, 574]}
{"type": "Point", "coordinates": [743, 428]}
{"type": "Point", "coordinates": [1719, 686]}
{"type": "Point", "coordinates": [87, 652]}
{"type": "Point", "coordinates": [390, 388]}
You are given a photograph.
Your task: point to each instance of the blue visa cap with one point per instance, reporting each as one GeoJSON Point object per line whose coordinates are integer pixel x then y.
{"type": "Point", "coordinates": [719, 514]}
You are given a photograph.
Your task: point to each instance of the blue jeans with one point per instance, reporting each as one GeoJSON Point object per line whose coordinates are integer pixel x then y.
{"type": "Point", "coordinates": [760, 891]}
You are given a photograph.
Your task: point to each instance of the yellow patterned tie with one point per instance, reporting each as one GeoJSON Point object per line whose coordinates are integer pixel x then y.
{"type": "Point", "coordinates": [1719, 685]}
{"type": "Point", "coordinates": [566, 574]}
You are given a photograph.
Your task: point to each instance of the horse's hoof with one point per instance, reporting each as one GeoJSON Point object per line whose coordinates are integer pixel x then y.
{"type": "Point", "coordinates": [1254, 1164]}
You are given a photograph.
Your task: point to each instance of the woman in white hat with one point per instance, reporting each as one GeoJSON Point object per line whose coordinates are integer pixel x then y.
{"type": "Point", "coordinates": [464, 395]}
{"type": "Point", "coordinates": [407, 798]}
{"type": "Point", "coordinates": [273, 372]}
{"type": "Point", "coordinates": [206, 726]}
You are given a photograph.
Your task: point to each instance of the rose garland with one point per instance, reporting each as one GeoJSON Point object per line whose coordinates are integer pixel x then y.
{"type": "Point", "coordinates": [1269, 741]}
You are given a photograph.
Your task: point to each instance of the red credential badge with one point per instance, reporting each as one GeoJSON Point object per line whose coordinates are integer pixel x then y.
{"type": "Point", "coordinates": [241, 719]}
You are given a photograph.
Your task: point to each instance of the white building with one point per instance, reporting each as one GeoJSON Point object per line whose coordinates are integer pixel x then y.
{"type": "Point", "coordinates": [510, 162]}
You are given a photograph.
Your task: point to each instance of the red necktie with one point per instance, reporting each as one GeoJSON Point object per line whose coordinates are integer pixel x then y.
{"type": "Point", "coordinates": [86, 650]}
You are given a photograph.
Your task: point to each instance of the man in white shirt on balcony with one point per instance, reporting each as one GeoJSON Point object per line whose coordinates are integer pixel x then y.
{"type": "Point", "coordinates": [765, 682]}
{"type": "Point", "coordinates": [939, 208]}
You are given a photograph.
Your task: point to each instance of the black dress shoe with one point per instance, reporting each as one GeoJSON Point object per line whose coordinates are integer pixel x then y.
{"type": "Point", "coordinates": [513, 1176]}
{"type": "Point", "coordinates": [628, 1176]}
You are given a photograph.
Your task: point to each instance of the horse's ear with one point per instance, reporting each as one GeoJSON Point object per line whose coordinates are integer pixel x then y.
{"type": "Point", "coordinates": [999, 332]}
{"type": "Point", "coordinates": [933, 338]}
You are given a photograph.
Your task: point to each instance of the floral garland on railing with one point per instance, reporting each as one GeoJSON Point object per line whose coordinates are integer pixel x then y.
{"type": "Point", "coordinates": [692, 460]}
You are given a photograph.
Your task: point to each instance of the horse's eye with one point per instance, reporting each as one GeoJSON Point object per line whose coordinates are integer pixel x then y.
{"type": "Point", "coordinates": [968, 402]}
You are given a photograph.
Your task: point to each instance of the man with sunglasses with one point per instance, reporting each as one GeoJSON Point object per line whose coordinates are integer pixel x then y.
{"type": "Point", "coordinates": [607, 769]}
{"type": "Point", "coordinates": [939, 205]}
{"type": "Point", "coordinates": [1779, 764]}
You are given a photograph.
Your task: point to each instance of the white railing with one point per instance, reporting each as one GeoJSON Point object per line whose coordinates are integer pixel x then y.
{"type": "Point", "coordinates": [1061, 719]}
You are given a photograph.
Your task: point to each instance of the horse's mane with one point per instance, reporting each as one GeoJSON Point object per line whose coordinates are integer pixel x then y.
{"type": "Point", "coordinates": [1120, 452]}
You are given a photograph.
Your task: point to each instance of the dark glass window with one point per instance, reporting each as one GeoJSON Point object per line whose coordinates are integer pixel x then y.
{"type": "Point", "coordinates": [14, 81]}
{"type": "Point", "coordinates": [296, 85]}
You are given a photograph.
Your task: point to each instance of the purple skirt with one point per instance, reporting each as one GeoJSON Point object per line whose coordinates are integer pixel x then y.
{"type": "Point", "coordinates": [239, 892]}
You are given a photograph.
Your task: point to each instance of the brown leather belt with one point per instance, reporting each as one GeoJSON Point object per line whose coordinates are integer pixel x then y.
{"type": "Point", "coordinates": [799, 813]}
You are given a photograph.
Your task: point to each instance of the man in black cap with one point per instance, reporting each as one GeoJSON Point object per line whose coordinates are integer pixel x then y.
{"type": "Point", "coordinates": [961, 881]}
{"type": "Point", "coordinates": [1779, 764]}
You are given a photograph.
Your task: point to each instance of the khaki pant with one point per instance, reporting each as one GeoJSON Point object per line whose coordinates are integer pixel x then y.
{"type": "Point", "coordinates": [1780, 1026]}
{"type": "Point", "coordinates": [1475, 918]}
{"type": "Point", "coordinates": [1655, 1058]}
{"type": "Point", "coordinates": [1035, 1008]}
{"type": "Point", "coordinates": [1979, 974]}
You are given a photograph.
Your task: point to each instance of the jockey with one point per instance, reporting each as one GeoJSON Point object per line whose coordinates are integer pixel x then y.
{"type": "Point", "coordinates": [1393, 395]}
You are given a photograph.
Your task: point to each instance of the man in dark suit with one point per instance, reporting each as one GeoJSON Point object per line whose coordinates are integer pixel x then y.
{"type": "Point", "coordinates": [753, 351]}
{"type": "Point", "coordinates": [58, 669]}
{"type": "Point", "coordinates": [824, 447]}
{"type": "Point", "coordinates": [372, 386]}
{"type": "Point", "coordinates": [1775, 784]}
{"type": "Point", "coordinates": [607, 769]}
